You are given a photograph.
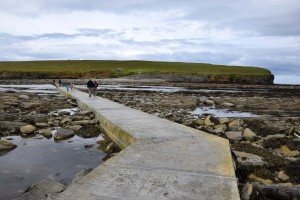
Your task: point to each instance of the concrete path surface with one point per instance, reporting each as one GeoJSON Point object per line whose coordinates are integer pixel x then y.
{"type": "Point", "coordinates": [160, 159]}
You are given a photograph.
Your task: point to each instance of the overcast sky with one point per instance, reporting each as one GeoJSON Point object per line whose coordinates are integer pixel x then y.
{"type": "Point", "coordinates": [262, 33]}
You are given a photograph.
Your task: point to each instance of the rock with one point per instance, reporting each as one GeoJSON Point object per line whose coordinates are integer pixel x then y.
{"type": "Point", "coordinates": [41, 125]}
{"type": "Point", "coordinates": [275, 191]}
{"type": "Point", "coordinates": [283, 177]}
{"type": "Point", "coordinates": [199, 122]}
{"type": "Point", "coordinates": [93, 122]}
{"type": "Point", "coordinates": [44, 189]}
{"type": "Point", "coordinates": [75, 127]}
{"type": "Point", "coordinates": [236, 122]}
{"type": "Point", "coordinates": [258, 179]}
{"type": "Point", "coordinates": [291, 131]}
{"type": "Point", "coordinates": [27, 129]}
{"type": "Point", "coordinates": [274, 136]}
{"type": "Point", "coordinates": [248, 159]}
{"type": "Point", "coordinates": [209, 102]}
{"type": "Point", "coordinates": [10, 126]}
{"type": "Point", "coordinates": [27, 105]}
{"type": "Point", "coordinates": [246, 191]}
{"type": "Point", "coordinates": [24, 97]}
{"type": "Point", "coordinates": [224, 120]}
{"type": "Point", "coordinates": [208, 121]}
{"type": "Point", "coordinates": [85, 113]}
{"type": "Point", "coordinates": [65, 120]}
{"type": "Point", "coordinates": [46, 133]}
{"type": "Point", "coordinates": [89, 131]}
{"type": "Point", "coordinates": [82, 122]}
{"type": "Point", "coordinates": [6, 145]}
{"type": "Point", "coordinates": [63, 133]}
{"type": "Point", "coordinates": [219, 130]}
{"type": "Point", "coordinates": [234, 135]}
{"type": "Point", "coordinates": [64, 112]}
{"type": "Point", "coordinates": [248, 134]}
{"type": "Point", "coordinates": [287, 152]}
{"type": "Point", "coordinates": [227, 104]}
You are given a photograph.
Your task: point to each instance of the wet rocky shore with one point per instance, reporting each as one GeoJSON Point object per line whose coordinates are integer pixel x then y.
{"type": "Point", "coordinates": [35, 125]}
{"type": "Point", "coordinates": [265, 146]}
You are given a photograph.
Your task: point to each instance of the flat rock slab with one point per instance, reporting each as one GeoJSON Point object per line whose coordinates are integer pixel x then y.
{"type": "Point", "coordinates": [162, 159]}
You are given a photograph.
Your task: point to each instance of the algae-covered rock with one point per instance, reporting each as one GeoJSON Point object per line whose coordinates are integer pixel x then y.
{"type": "Point", "coordinates": [6, 145]}
{"type": "Point", "coordinates": [63, 133]}
{"type": "Point", "coordinates": [27, 129]}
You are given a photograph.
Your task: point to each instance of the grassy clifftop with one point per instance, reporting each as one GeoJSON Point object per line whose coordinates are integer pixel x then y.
{"type": "Point", "coordinates": [106, 68]}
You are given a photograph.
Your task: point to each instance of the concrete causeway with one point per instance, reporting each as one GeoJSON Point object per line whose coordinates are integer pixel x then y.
{"type": "Point", "coordinates": [160, 159]}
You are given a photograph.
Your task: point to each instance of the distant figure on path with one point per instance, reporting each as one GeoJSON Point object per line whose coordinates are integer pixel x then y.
{"type": "Point", "coordinates": [90, 86]}
{"type": "Point", "coordinates": [95, 88]}
{"type": "Point", "coordinates": [67, 87]}
{"type": "Point", "coordinates": [59, 83]}
{"type": "Point", "coordinates": [72, 86]}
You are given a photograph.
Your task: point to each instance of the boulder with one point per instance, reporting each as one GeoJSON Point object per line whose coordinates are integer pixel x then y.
{"type": "Point", "coordinates": [63, 133]}
{"type": "Point", "coordinates": [234, 135]}
{"type": "Point", "coordinates": [44, 189]}
{"type": "Point", "coordinates": [46, 133]}
{"type": "Point", "coordinates": [6, 145]}
{"type": "Point", "coordinates": [27, 129]}
{"type": "Point", "coordinates": [89, 131]}
{"type": "Point", "coordinates": [248, 134]}
{"type": "Point", "coordinates": [208, 121]}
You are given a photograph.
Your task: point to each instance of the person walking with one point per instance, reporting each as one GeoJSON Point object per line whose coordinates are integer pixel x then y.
{"type": "Point", "coordinates": [95, 88]}
{"type": "Point", "coordinates": [90, 86]}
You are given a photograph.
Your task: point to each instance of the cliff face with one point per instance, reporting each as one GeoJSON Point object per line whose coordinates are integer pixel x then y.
{"type": "Point", "coordinates": [226, 78]}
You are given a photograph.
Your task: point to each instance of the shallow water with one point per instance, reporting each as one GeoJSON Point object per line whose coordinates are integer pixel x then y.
{"type": "Point", "coordinates": [38, 89]}
{"type": "Point", "coordinates": [40, 158]}
{"type": "Point", "coordinates": [221, 112]}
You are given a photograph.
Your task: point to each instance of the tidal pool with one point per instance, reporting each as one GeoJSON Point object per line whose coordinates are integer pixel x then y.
{"type": "Point", "coordinates": [221, 112]}
{"type": "Point", "coordinates": [39, 158]}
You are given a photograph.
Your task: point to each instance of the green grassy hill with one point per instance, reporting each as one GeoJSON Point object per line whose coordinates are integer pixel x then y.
{"type": "Point", "coordinates": [179, 71]}
{"type": "Point", "coordinates": [128, 67]}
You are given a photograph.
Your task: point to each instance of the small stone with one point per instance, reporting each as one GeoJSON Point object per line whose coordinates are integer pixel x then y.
{"type": "Point", "coordinates": [247, 191]}
{"type": "Point", "coordinates": [258, 179]}
{"type": "Point", "coordinates": [27, 129]}
{"type": "Point", "coordinates": [199, 122]}
{"type": "Point", "coordinates": [208, 122]}
{"type": "Point", "coordinates": [23, 96]}
{"type": "Point", "coordinates": [248, 134]}
{"type": "Point", "coordinates": [63, 133]}
{"type": "Point", "coordinates": [75, 127]}
{"type": "Point", "coordinates": [282, 176]}
{"type": "Point", "coordinates": [41, 125]}
{"type": "Point", "coordinates": [46, 133]}
{"type": "Point", "coordinates": [224, 120]}
{"type": "Point", "coordinates": [236, 122]}
{"type": "Point", "coordinates": [234, 135]}
{"type": "Point", "coordinates": [219, 130]}
{"type": "Point", "coordinates": [82, 122]}
{"type": "Point", "coordinates": [227, 104]}
{"type": "Point", "coordinates": [209, 102]}
{"type": "Point", "coordinates": [287, 152]}
{"type": "Point", "coordinates": [65, 120]}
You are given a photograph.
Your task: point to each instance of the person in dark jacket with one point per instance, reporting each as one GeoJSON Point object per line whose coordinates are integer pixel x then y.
{"type": "Point", "coordinates": [90, 86]}
{"type": "Point", "coordinates": [95, 88]}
